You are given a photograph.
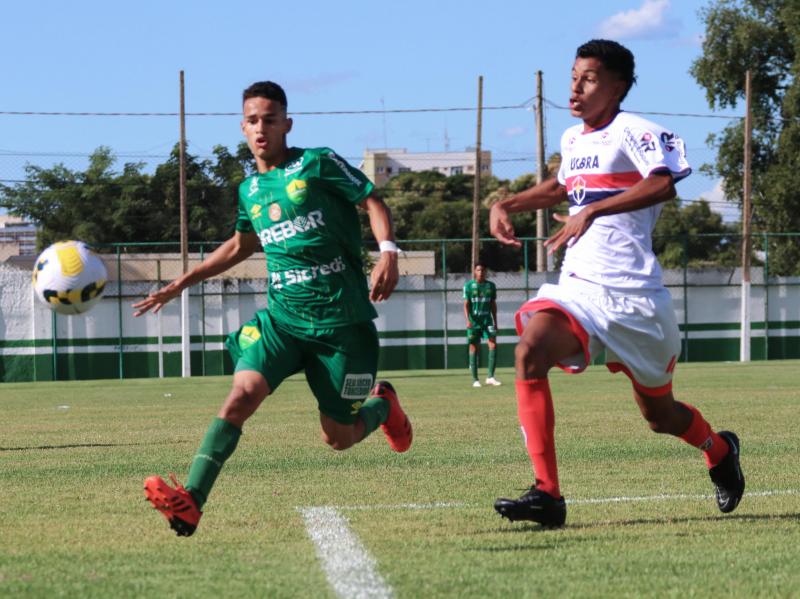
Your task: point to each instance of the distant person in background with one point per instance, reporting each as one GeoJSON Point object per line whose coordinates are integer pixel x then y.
{"type": "Point", "coordinates": [480, 310]}
{"type": "Point", "coordinates": [617, 169]}
{"type": "Point", "coordinates": [300, 210]}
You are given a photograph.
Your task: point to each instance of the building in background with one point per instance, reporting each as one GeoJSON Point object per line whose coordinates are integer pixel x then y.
{"type": "Point", "coordinates": [383, 164]}
{"type": "Point", "coordinates": [17, 237]}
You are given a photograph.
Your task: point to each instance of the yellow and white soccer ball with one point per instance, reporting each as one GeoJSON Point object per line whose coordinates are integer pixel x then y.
{"type": "Point", "coordinates": [69, 278]}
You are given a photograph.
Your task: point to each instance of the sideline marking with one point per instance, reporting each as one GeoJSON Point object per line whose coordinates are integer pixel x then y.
{"type": "Point", "coordinates": [586, 501]}
{"type": "Point", "coordinates": [350, 569]}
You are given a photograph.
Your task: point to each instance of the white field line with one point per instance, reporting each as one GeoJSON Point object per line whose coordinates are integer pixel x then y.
{"type": "Point", "coordinates": [586, 501]}
{"type": "Point", "coordinates": [350, 569]}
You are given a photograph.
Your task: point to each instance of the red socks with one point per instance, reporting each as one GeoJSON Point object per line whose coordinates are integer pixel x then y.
{"type": "Point", "coordinates": [700, 435]}
{"type": "Point", "coordinates": [537, 419]}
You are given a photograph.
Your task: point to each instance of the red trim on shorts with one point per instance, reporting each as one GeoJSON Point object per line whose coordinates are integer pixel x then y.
{"type": "Point", "coordinates": [651, 391]}
{"type": "Point", "coordinates": [671, 365]}
{"type": "Point", "coordinates": [539, 305]}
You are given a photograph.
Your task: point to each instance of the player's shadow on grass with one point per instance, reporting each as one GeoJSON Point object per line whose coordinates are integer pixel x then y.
{"type": "Point", "coordinates": [80, 445]}
{"type": "Point", "coordinates": [526, 528]}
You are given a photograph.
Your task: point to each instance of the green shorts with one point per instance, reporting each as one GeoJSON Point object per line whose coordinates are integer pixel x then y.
{"type": "Point", "coordinates": [340, 363]}
{"type": "Point", "coordinates": [478, 331]}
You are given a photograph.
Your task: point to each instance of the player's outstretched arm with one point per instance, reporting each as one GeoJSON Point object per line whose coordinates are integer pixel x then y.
{"type": "Point", "coordinates": [385, 275]}
{"type": "Point", "coordinates": [237, 248]}
{"type": "Point", "coordinates": [544, 195]}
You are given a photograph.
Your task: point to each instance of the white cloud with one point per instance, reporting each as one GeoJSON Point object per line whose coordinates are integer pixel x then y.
{"type": "Point", "coordinates": [730, 210]}
{"type": "Point", "coordinates": [649, 21]}
{"type": "Point", "coordinates": [515, 131]}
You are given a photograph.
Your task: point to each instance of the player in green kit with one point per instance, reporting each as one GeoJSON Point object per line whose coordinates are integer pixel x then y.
{"type": "Point", "coordinates": [480, 310]}
{"type": "Point", "coordinates": [300, 208]}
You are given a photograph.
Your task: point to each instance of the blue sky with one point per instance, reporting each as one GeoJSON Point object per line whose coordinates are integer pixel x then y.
{"type": "Point", "coordinates": [96, 56]}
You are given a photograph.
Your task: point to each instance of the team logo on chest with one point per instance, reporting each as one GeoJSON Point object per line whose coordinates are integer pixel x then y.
{"type": "Point", "coordinates": [578, 189]}
{"type": "Point", "coordinates": [297, 190]}
{"type": "Point", "coordinates": [275, 212]}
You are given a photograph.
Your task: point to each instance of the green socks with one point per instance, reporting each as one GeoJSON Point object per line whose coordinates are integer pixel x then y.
{"type": "Point", "coordinates": [492, 361]}
{"type": "Point", "coordinates": [373, 413]}
{"type": "Point", "coordinates": [473, 365]}
{"type": "Point", "coordinates": [217, 446]}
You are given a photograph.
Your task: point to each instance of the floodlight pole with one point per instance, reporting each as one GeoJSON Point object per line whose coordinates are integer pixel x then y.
{"type": "Point", "coordinates": [186, 369]}
{"type": "Point", "coordinates": [744, 346]}
{"type": "Point", "coordinates": [541, 213]}
{"type": "Point", "coordinates": [476, 192]}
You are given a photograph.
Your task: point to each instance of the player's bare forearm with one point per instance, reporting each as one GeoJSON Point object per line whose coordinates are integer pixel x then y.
{"type": "Point", "coordinates": [385, 274]}
{"type": "Point", "coordinates": [466, 313]}
{"type": "Point", "coordinates": [544, 195]}
{"type": "Point", "coordinates": [654, 189]}
{"type": "Point", "coordinates": [230, 253]}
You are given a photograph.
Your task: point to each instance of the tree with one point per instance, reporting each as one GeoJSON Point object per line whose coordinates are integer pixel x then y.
{"type": "Point", "coordinates": [101, 206]}
{"type": "Point", "coordinates": [764, 37]}
{"type": "Point", "coordinates": [694, 235]}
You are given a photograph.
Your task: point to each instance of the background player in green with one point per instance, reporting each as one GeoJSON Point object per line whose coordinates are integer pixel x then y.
{"type": "Point", "coordinates": [300, 209]}
{"type": "Point", "coordinates": [480, 310]}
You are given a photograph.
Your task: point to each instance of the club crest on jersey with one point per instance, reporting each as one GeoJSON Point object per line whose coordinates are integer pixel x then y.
{"type": "Point", "coordinates": [275, 212]}
{"type": "Point", "coordinates": [248, 336]}
{"type": "Point", "coordinates": [578, 189]}
{"type": "Point", "coordinates": [297, 190]}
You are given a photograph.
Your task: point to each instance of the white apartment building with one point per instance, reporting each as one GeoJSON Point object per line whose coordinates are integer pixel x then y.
{"type": "Point", "coordinates": [380, 165]}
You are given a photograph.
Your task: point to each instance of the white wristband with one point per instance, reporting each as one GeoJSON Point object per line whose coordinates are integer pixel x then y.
{"type": "Point", "coordinates": [388, 246]}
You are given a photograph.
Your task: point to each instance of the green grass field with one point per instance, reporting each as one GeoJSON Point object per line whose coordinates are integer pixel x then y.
{"type": "Point", "coordinates": [641, 520]}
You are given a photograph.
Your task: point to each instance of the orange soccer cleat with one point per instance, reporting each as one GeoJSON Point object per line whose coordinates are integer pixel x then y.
{"type": "Point", "coordinates": [397, 427]}
{"type": "Point", "coordinates": [177, 505]}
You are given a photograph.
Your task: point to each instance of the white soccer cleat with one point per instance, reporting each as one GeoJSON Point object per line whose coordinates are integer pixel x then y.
{"type": "Point", "coordinates": [476, 384]}
{"type": "Point", "coordinates": [493, 381]}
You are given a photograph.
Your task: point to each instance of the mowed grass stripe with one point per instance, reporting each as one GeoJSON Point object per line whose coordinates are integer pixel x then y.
{"type": "Point", "coordinates": [74, 522]}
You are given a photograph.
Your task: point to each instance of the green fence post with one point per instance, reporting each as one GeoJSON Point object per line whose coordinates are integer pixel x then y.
{"type": "Point", "coordinates": [119, 309]}
{"type": "Point", "coordinates": [53, 322]}
{"type": "Point", "coordinates": [766, 296]}
{"type": "Point", "coordinates": [202, 320]}
{"type": "Point", "coordinates": [527, 271]}
{"type": "Point", "coordinates": [444, 299]}
{"type": "Point", "coordinates": [686, 297]}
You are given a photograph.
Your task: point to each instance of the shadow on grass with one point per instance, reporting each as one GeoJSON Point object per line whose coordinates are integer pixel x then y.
{"type": "Point", "coordinates": [79, 445]}
{"type": "Point", "coordinates": [528, 528]}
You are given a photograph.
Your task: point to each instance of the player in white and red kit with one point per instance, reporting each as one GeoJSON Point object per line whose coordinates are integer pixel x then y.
{"type": "Point", "coordinates": [617, 169]}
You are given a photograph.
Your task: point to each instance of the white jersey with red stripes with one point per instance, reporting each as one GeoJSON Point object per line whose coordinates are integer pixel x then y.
{"type": "Point", "coordinates": [617, 250]}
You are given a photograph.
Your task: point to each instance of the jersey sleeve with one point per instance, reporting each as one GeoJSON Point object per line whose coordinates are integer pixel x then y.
{"type": "Point", "coordinates": [654, 149]}
{"type": "Point", "coordinates": [464, 289]}
{"type": "Point", "coordinates": [341, 179]}
{"type": "Point", "coordinates": [243, 222]}
{"type": "Point", "coordinates": [493, 290]}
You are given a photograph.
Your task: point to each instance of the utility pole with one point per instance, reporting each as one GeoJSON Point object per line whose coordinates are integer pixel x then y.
{"type": "Point", "coordinates": [476, 193]}
{"type": "Point", "coordinates": [186, 369]}
{"type": "Point", "coordinates": [744, 347]}
{"type": "Point", "coordinates": [541, 213]}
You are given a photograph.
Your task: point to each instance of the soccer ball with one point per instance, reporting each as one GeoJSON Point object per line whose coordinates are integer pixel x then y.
{"type": "Point", "coordinates": [69, 278]}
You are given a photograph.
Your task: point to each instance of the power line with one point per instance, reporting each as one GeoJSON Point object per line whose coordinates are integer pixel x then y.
{"type": "Point", "coordinates": [681, 114]}
{"type": "Point", "coordinates": [239, 114]}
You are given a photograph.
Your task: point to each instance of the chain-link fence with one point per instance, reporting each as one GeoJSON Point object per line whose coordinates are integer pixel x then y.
{"type": "Point", "coordinates": [422, 325]}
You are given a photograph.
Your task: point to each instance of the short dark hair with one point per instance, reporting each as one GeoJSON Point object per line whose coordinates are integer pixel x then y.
{"type": "Point", "coordinates": [266, 89]}
{"type": "Point", "coordinates": [614, 56]}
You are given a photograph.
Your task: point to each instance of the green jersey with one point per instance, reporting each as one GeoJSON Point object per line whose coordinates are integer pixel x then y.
{"type": "Point", "coordinates": [304, 213]}
{"type": "Point", "coordinates": [480, 297]}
